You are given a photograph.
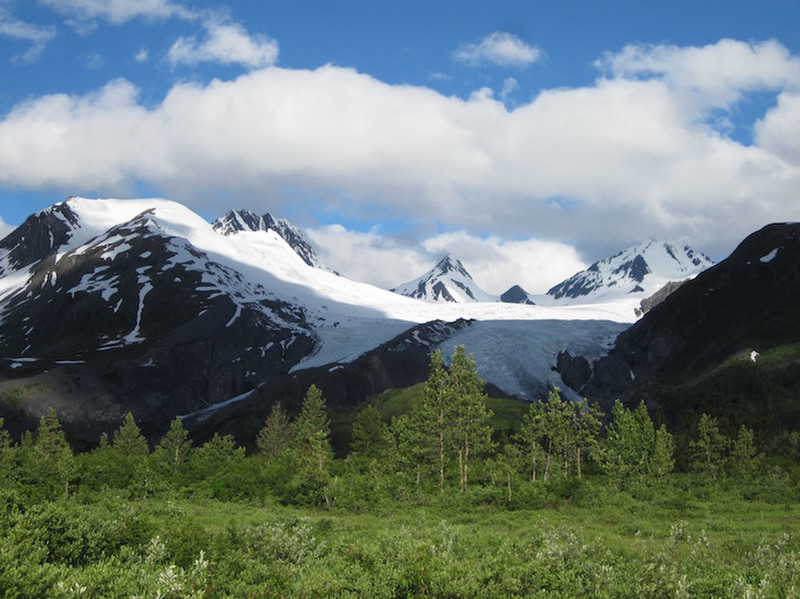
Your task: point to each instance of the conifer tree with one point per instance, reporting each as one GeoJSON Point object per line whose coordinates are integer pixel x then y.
{"type": "Point", "coordinates": [277, 434]}
{"type": "Point", "coordinates": [662, 460]}
{"type": "Point", "coordinates": [173, 452]}
{"type": "Point", "coordinates": [412, 452]}
{"type": "Point", "coordinates": [743, 460]}
{"type": "Point", "coordinates": [707, 451]}
{"type": "Point", "coordinates": [128, 439]}
{"type": "Point", "coordinates": [49, 463]}
{"type": "Point", "coordinates": [633, 450]}
{"type": "Point", "coordinates": [312, 430]}
{"type": "Point", "coordinates": [370, 434]}
{"type": "Point", "coordinates": [129, 457]}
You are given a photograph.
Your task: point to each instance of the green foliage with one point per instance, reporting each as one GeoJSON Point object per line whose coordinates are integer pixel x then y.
{"type": "Point", "coordinates": [557, 432]}
{"type": "Point", "coordinates": [171, 457]}
{"type": "Point", "coordinates": [621, 547]}
{"type": "Point", "coordinates": [633, 450]}
{"type": "Point", "coordinates": [312, 430]}
{"type": "Point", "coordinates": [370, 434]}
{"type": "Point", "coordinates": [47, 465]}
{"type": "Point", "coordinates": [127, 458]}
{"type": "Point", "coordinates": [662, 460]}
{"type": "Point", "coordinates": [708, 450]}
{"type": "Point", "coordinates": [743, 461]}
{"type": "Point", "coordinates": [8, 458]}
{"type": "Point", "coordinates": [277, 434]}
{"type": "Point", "coordinates": [451, 423]}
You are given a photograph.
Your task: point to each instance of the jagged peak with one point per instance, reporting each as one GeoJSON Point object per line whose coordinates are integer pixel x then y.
{"type": "Point", "coordinates": [447, 281]}
{"type": "Point", "coordinates": [450, 263]}
{"type": "Point", "coordinates": [641, 268]}
{"type": "Point", "coordinates": [239, 221]}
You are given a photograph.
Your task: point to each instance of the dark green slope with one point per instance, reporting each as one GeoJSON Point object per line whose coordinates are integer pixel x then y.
{"type": "Point", "coordinates": [691, 353]}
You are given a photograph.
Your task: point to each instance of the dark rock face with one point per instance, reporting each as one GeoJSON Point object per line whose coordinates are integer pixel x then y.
{"type": "Point", "coordinates": [439, 292]}
{"type": "Point", "coordinates": [516, 295]}
{"type": "Point", "coordinates": [139, 321]}
{"type": "Point", "coordinates": [39, 236]}
{"type": "Point", "coordinates": [401, 362]}
{"type": "Point", "coordinates": [578, 284]}
{"type": "Point", "coordinates": [636, 269]}
{"type": "Point", "coordinates": [574, 371]}
{"type": "Point", "coordinates": [745, 301]}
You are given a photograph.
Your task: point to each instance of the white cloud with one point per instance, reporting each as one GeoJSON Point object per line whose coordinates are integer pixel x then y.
{"type": "Point", "coordinates": [226, 43]}
{"type": "Point", "coordinates": [119, 11]}
{"type": "Point", "coordinates": [143, 55]}
{"type": "Point", "coordinates": [617, 161]}
{"type": "Point", "coordinates": [510, 85]}
{"type": "Point", "coordinates": [4, 228]}
{"type": "Point", "coordinates": [495, 264]}
{"type": "Point", "coordinates": [779, 130]}
{"type": "Point", "coordinates": [499, 48]}
{"type": "Point", "coordinates": [716, 75]}
{"type": "Point", "coordinates": [20, 30]}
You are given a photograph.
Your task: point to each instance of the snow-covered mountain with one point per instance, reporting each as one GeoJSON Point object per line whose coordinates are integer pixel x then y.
{"type": "Point", "coordinates": [240, 221]}
{"type": "Point", "coordinates": [109, 306]}
{"type": "Point", "coordinates": [448, 281]}
{"type": "Point", "coordinates": [637, 271]}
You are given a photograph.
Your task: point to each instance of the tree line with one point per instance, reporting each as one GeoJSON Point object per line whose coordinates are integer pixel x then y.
{"type": "Point", "coordinates": [443, 446]}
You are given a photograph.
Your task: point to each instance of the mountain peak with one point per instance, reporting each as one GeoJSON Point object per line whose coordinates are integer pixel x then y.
{"type": "Point", "coordinates": [639, 269]}
{"type": "Point", "coordinates": [448, 281]}
{"type": "Point", "coordinates": [240, 221]}
{"type": "Point", "coordinates": [517, 295]}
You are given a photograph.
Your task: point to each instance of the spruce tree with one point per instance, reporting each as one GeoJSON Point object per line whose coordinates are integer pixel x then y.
{"type": "Point", "coordinates": [707, 451]}
{"type": "Point", "coordinates": [743, 461]}
{"type": "Point", "coordinates": [662, 460]}
{"type": "Point", "coordinates": [370, 434]}
{"type": "Point", "coordinates": [129, 457]}
{"type": "Point", "coordinates": [173, 452]}
{"type": "Point", "coordinates": [277, 434]}
{"type": "Point", "coordinates": [313, 429]}
{"type": "Point", "coordinates": [633, 450]}
{"type": "Point", "coordinates": [49, 463]}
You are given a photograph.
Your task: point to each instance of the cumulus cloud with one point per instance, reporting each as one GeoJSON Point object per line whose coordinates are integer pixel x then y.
{"type": "Point", "coordinates": [37, 36]}
{"type": "Point", "coordinates": [119, 11]}
{"type": "Point", "coordinates": [495, 264]}
{"type": "Point", "coordinates": [226, 43]}
{"type": "Point", "coordinates": [778, 131]}
{"type": "Point", "coordinates": [716, 75]}
{"type": "Point", "coordinates": [624, 158]}
{"type": "Point", "coordinates": [499, 48]}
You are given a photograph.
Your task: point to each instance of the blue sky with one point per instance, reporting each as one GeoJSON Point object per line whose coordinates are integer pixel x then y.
{"type": "Point", "coordinates": [525, 137]}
